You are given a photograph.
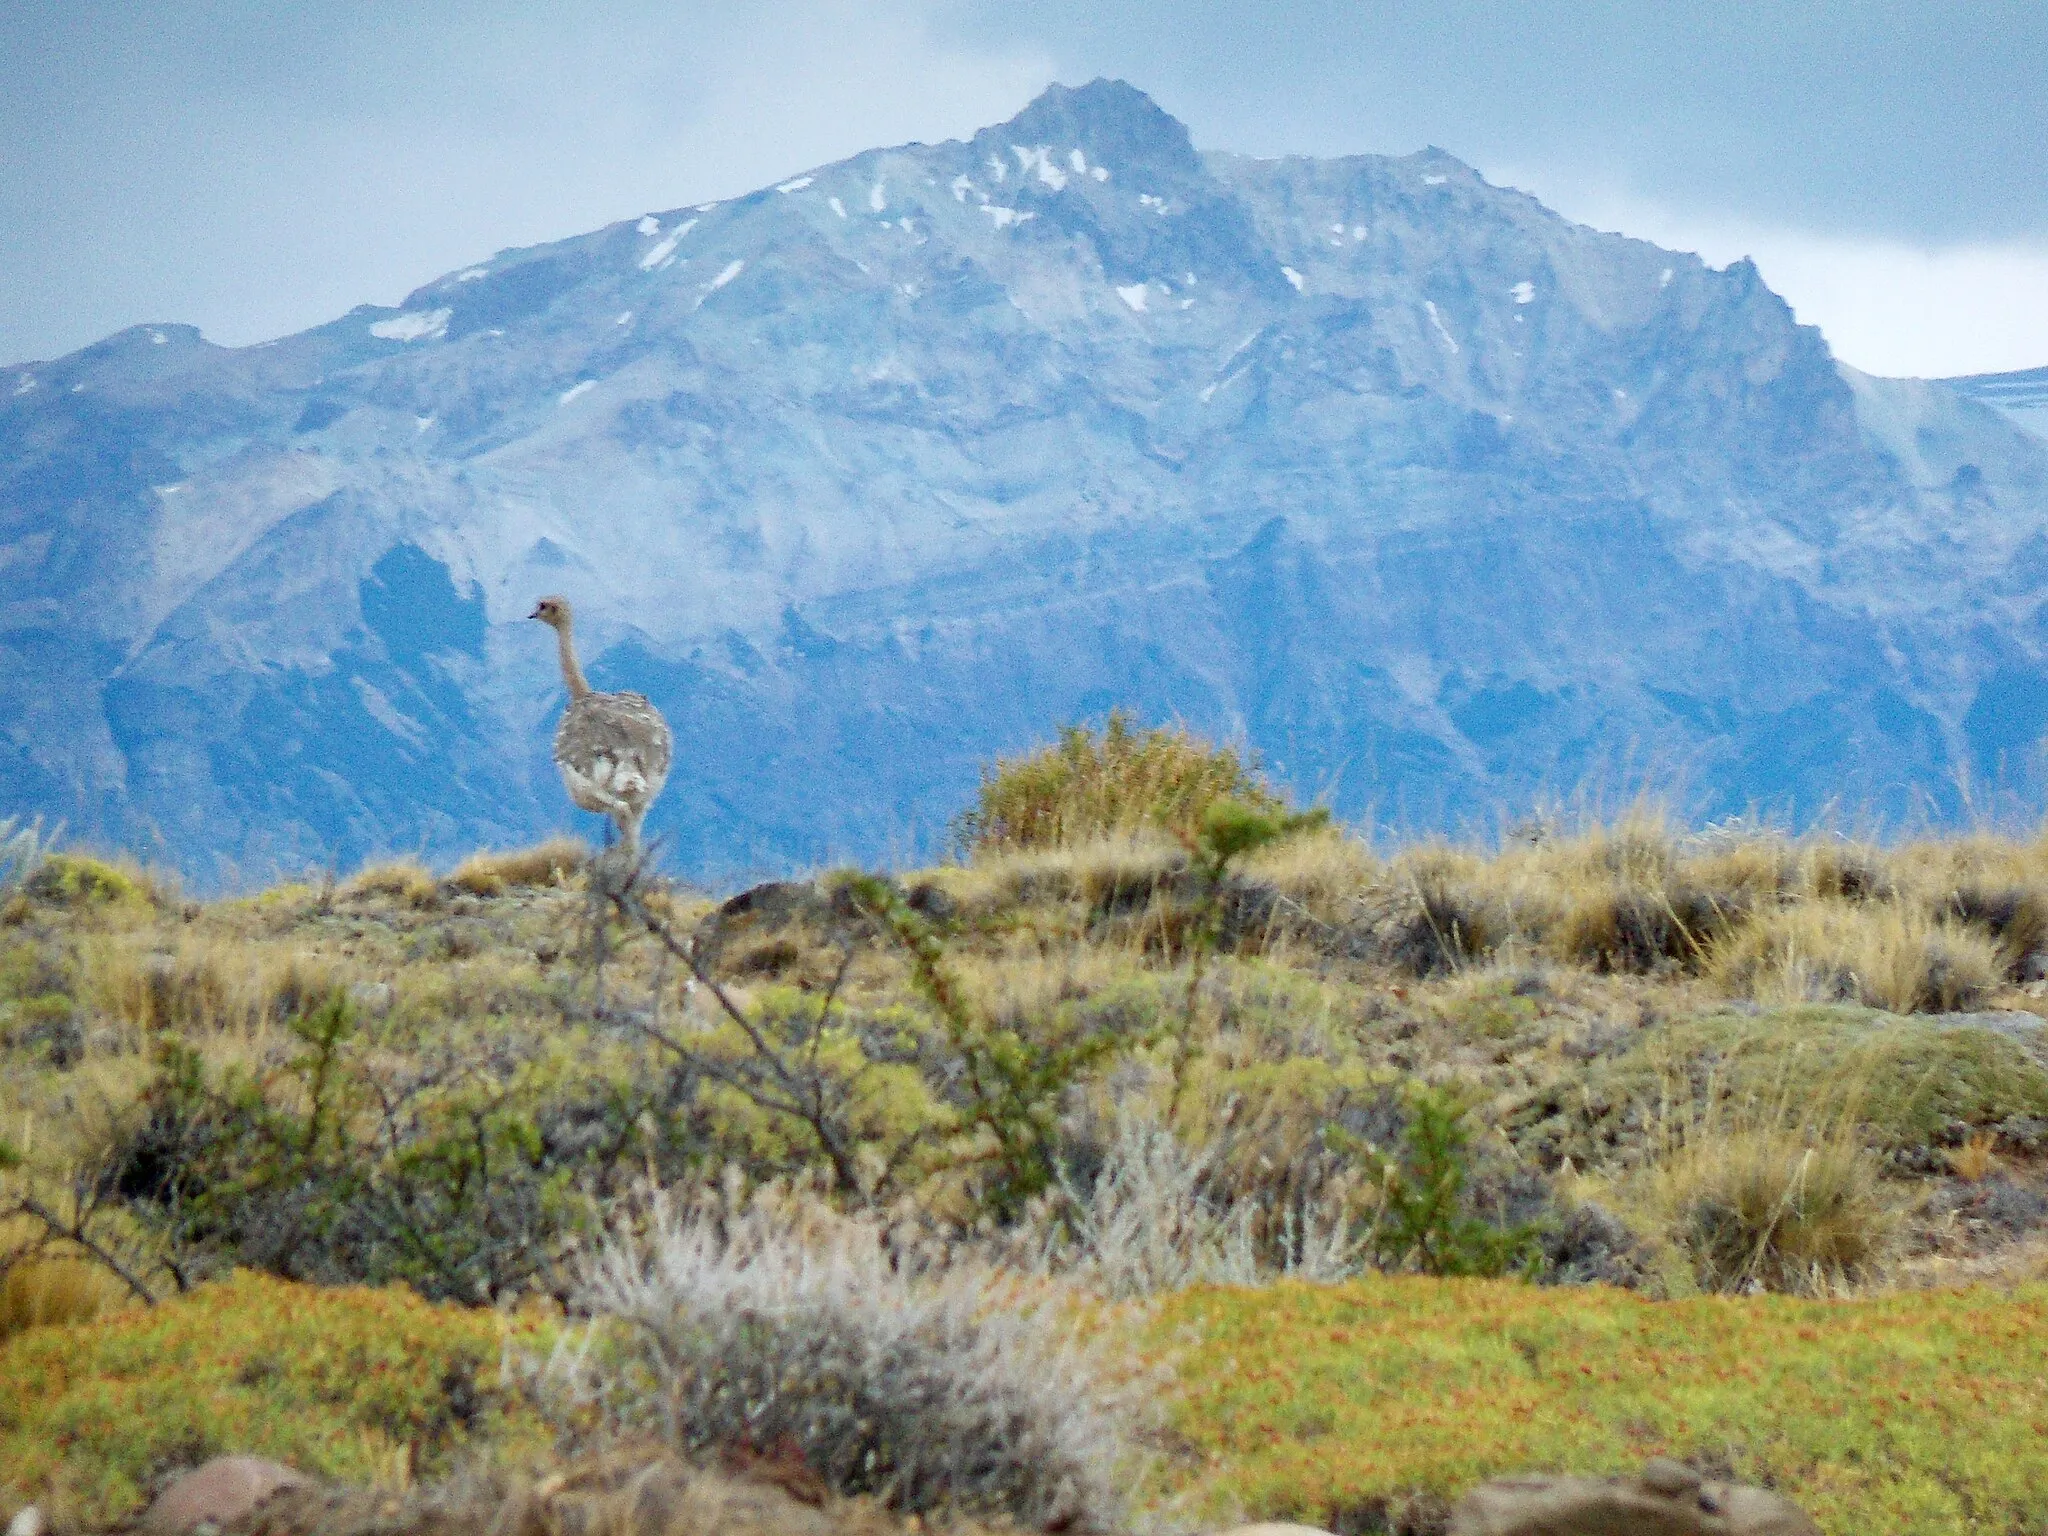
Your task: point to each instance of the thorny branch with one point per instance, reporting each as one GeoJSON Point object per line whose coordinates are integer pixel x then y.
{"type": "Point", "coordinates": [802, 1096]}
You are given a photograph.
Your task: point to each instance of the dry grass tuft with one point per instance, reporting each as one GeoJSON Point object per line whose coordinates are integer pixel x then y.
{"type": "Point", "coordinates": [1124, 780]}
{"type": "Point", "coordinates": [404, 880]}
{"type": "Point", "coordinates": [548, 863]}
{"type": "Point", "coordinates": [1877, 954]}
{"type": "Point", "coordinates": [1974, 1160]}
{"type": "Point", "coordinates": [206, 984]}
{"type": "Point", "coordinates": [1112, 874]}
{"type": "Point", "coordinates": [1773, 1193]}
{"type": "Point", "coordinates": [1444, 909]}
{"type": "Point", "coordinates": [1778, 1208]}
{"type": "Point", "coordinates": [1831, 870]}
{"type": "Point", "coordinates": [42, 1289]}
{"type": "Point", "coordinates": [1624, 925]}
{"type": "Point", "coordinates": [1326, 875]}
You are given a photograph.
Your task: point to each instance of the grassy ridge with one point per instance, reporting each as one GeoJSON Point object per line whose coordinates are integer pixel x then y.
{"type": "Point", "coordinates": [1339, 1404]}
{"type": "Point", "coordinates": [1689, 1061]}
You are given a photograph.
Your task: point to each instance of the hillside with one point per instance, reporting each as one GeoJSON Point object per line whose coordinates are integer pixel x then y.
{"type": "Point", "coordinates": [1432, 497]}
{"type": "Point", "coordinates": [1657, 1070]}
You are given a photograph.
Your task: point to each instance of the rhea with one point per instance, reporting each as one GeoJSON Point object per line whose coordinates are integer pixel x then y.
{"type": "Point", "coordinates": [613, 748]}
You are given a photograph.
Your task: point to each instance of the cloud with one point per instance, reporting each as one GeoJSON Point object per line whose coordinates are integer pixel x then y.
{"type": "Point", "coordinates": [1904, 119]}
{"type": "Point", "coordinates": [1900, 308]}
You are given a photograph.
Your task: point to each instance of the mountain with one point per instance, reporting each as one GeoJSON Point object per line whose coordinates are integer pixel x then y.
{"type": "Point", "coordinates": [2021, 397]}
{"type": "Point", "coordinates": [1434, 498]}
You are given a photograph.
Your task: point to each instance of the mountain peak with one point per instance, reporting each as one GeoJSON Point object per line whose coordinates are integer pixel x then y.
{"type": "Point", "coordinates": [1109, 121]}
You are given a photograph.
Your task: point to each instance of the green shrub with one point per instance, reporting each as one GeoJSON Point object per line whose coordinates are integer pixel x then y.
{"type": "Point", "coordinates": [1425, 1220]}
{"type": "Point", "coordinates": [73, 880]}
{"type": "Point", "coordinates": [463, 1173]}
{"type": "Point", "coordinates": [1122, 780]}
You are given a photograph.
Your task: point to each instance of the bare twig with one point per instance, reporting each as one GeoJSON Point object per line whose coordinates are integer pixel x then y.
{"type": "Point", "coordinates": [74, 1232]}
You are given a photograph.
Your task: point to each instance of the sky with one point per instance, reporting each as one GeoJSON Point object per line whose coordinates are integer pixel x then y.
{"type": "Point", "coordinates": [256, 168]}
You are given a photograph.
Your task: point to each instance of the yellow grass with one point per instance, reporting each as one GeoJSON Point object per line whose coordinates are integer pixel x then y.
{"type": "Point", "coordinates": [39, 1290]}
{"type": "Point", "coordinates": [493, 873]}
{"type": "Point", "coordinates": [1777, 1206]}
{"type": "Point", "coordinates": [403, 880]}
{"type": "Point", "coordinates": [203, 983]}
{"type": "Point", "coordinates": [1880, 955]}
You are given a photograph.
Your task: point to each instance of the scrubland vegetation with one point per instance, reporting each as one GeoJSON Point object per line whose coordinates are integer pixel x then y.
{"type": "Point", "coordinates": [1310, 1178]}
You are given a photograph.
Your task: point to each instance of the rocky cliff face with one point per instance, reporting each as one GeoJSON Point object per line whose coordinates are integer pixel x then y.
{"type": "Point", "coordinates": [1436, 499]}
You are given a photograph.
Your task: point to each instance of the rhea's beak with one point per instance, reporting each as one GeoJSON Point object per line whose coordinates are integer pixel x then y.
{"type": "Point", "coordinates": [536, 612]}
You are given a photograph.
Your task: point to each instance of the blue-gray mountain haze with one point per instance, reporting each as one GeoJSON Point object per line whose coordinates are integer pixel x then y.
{"type": "Point", "coordinates": [1435, 499]}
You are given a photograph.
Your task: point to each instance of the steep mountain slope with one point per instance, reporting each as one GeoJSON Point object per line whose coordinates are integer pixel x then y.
{"type": "Point", "coordinates": [2022, 397]}
{"type": "Point", "coordinates": [1434, 497]}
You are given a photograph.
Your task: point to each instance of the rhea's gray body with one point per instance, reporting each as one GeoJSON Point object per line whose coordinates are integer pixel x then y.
{"type": "Point", "coordinates": [613, 749]}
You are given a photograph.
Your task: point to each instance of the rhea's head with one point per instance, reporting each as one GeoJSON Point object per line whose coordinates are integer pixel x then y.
{"type": "Point", "coordinates": [552, 611]}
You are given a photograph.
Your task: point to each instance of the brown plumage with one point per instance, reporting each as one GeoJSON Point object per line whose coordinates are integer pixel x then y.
{"type": "Point", "coordinates": [613, 748]}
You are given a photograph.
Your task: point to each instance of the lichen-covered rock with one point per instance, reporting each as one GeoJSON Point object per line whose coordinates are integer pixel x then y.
{"type": "Point", "coordinates": [1664, 1499]}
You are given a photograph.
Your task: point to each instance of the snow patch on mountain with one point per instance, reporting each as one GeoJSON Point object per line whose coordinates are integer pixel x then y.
{"type": "Point", "coordinates": [419, 325]}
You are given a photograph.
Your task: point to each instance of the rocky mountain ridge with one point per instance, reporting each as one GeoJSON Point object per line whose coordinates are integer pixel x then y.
{"type": "Point", "coordinates": [1435, 499]}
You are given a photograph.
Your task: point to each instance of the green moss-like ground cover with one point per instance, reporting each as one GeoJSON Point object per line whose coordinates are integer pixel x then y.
{"type": "Point", "coordinates": [1904, 1415]}
{"type": "Point", "coordinates": [350, 1383]}
{"type": "Point", "coordinates": [1922, 1413]}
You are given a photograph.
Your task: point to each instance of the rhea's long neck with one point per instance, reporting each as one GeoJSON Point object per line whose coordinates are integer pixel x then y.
{"type": "Point", "coordinates": [572, 673]}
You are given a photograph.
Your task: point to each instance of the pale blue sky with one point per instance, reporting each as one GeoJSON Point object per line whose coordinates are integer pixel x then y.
{"type": "Point", "coordinates": [255, 168]}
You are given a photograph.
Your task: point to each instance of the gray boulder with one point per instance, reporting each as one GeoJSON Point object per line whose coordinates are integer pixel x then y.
{"type": "Point", "coordinates": [217, 1493]}
{"type": "Point", "coordinates": [1664, 1499]}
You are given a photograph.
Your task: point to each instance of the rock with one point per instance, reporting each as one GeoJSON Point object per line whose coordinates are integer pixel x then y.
{"type": "Point", "coordinates": [619, 1491]}
{"type": "Point", "coordinates": [27, 1522]}
{"type": "Point", "coordinates": [1275, 1528]}
{"type": "Point", "coordinates": [1665, 1499]}
{"type": "Point", "coordinates": [217, 1494]}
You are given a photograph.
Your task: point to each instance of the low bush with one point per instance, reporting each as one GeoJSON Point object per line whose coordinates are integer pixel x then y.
{"type": "Point", "coordinates": [75, 880]}
{"type": "Point", "coordinates": [1426, 1218]}
{"type": "Point", "coordinates": [463, 1173]}
{"type": "Point", "coordinates": [1146, 1223]}
{"type": "Point", "coordinates": [1089, 785]}
{"type": "Point", "coordinates": [777, 1323]}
